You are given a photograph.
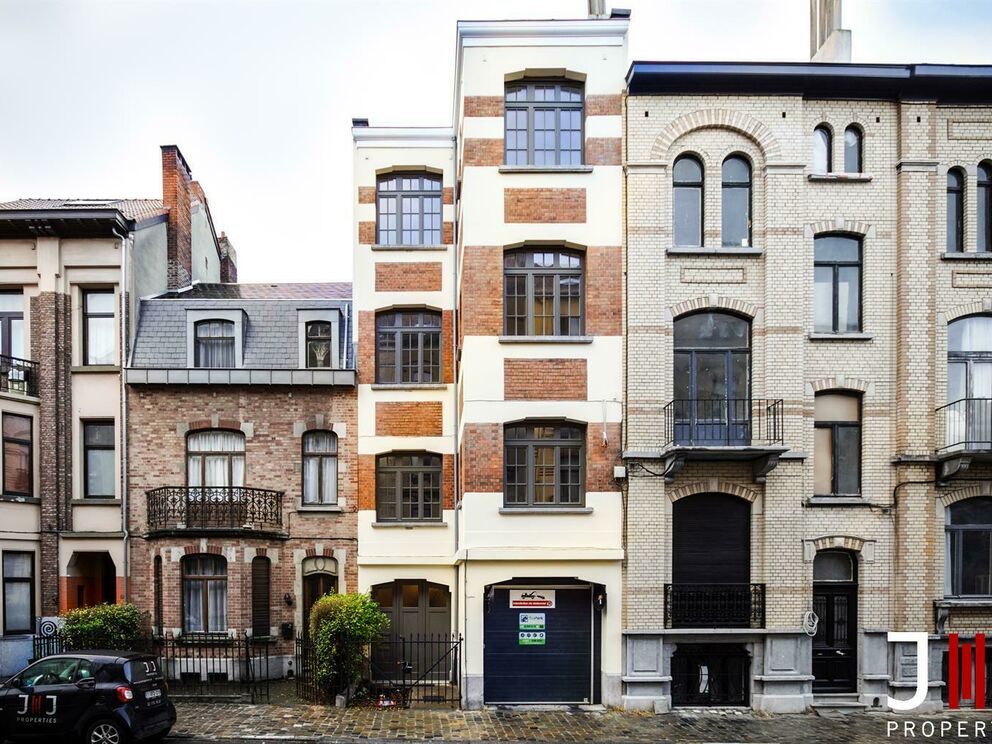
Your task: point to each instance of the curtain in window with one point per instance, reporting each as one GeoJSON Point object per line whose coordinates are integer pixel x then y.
{"type": "Point", "coordinates": [18, 574]}
{"type": "Point", "coordinates": [215, 459]}
{"type": "Point", "coordinates": [320, 467]}
{"type": "Point", "coordinates": [193, 606]}
{"type": "Point", "coordinates": [215, 344]}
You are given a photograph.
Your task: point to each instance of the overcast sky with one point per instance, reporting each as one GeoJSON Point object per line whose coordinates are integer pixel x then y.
{"type": "Point", "coordinates": [259, 94]}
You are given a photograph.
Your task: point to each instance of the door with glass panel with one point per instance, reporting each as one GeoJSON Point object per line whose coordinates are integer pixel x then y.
{"type": "Point", "coordinates": [712, 380]}
{"type": "Point", "coordinates": [835, 602]}
{"type": "Point", "coordinates": [968, 413]}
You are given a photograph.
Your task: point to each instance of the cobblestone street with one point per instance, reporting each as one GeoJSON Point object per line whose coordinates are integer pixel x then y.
{"type": "Point", "coordinates": [254, 723]}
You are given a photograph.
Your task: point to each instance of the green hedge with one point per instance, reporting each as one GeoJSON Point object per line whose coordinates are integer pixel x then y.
{"type": "Point", "coordinates": [341, 627]}
{"type": "Point", "coordinates": [108, 626]}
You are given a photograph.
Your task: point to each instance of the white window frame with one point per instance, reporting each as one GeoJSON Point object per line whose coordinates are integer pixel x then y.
{"type": "Point", "coordinates": [195, 316]}
{"type": "Point", "coordinates": [329, 315]}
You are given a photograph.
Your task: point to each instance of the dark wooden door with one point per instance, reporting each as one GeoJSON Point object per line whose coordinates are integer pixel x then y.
{"type": "Point", "coordinates": [315, 586]}
{"type": "Point", "coordinates": [419, 628]}
{"type": "Point", "coordinates": [835, 645]}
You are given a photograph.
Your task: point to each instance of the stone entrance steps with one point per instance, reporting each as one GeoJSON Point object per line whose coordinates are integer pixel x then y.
{"type": "Point", "coordinates": [836, 704]}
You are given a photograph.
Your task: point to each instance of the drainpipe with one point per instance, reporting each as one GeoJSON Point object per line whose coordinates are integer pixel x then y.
{"type": "Point", "coordinates": [124, 432]}
{"type": "Point", "coordinates": [456, 463]}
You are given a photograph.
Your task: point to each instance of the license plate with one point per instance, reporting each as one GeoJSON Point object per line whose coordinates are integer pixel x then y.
{"type": "Point", "coordinates": [153, 694]}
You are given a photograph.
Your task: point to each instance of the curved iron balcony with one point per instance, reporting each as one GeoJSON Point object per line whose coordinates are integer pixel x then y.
{"type": "Point", "coordinates": [212, 508]}
{"type": "Point", "coordinates": [18, 376]}
{"type": "Point", "coordinates": [714, 605]}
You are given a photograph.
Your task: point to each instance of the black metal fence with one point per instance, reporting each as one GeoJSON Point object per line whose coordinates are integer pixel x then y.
{"type": "Point", "coordinates": [965, 424]}
{"type": "Point", "coordinates": [399, 671]}
{"type": "Point", "coordinates": [18, 376]}
{"type": "Point", "coordinates": [217, 669]}
{"type": "Point", "coordinates": [739, 422]}
{"type": "Point", "coordinates": [214, 507]}
{"type": "Point", "coordinates": [714, 605]}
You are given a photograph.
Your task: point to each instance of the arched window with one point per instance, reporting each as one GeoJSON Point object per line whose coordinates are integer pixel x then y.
{"type": "Point", "coordinates": [712, 378]}
{"type": "Point", "coordinates": [837, 284]}
{"type": "Point", "coordinates": [736, 209]}
{"type": "Point", "coordinates": [968, 535]}
{"type": "Point", "coordinates": [215, 458]}
{"type": "Point", "coordinates": [543, 292]}
{"type": "Point", "coordinates": [261, 581]}
{"type": "Point", "coordinates": [837, 445]}
{"type": "Point", "coordinates": [544, 463]}
{"type": "Point", "coordinates": [320, 467]}
{"type": "Point", "coordinates": [319, 344]}
{"type": "Point", "coordinates": [955, 210]}
{"type": "Point", "coordinates": [822, 149]}
{"type": "Point", "coordinates": [853, 149]}
{"type": "Point", "coordinates": [408, 346]}
{"type": "Point", "coordinates": [834, 566]}
{"type": "Point", "coordinates": [408, 209]}
{"type": "Point", "coordinates": [968, 413]}
{"type": "Point", "coordinates": [687, 201]}
{"type": "Point", "coordinates": [985, 207]}
{"type": "Point", "coordinates": [543, 121]}
{"type": "Point", "coordinates": [204, 594]}
{"type": "Point", "coordinates": [408, 487]}
{"type": "Point", "coordinates": [214, 344]}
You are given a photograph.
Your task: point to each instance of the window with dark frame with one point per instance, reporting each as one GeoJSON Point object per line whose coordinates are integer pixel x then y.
{"type": "Point", "coordinates": [215, 458]}
{"type": "Point", "coordinates": [543, 292]}
{"type": "Point", "coordinates": [18, 592]}
{"type": "Point", "coordinates": [687, 201]}
{"type": "Point", "coordinates": [408, 487]}
{"type": "Point", "coordinates": [968, 535]}
{"type": "Point", "coordinates": [544, 464]}
{"type": "Point", "coordinates": [823, 149]}
{"type": "Point", "coordinates": [837, 445]}
{"type": "Point", "coordinates": [214, 346]}
{"type": "Point", "coordinates": [261, 581]}
{"type": "Point", "coordinates": [320, 468]}
{"type": "Point", "coordinates": [408, 209]}
{"type": "Point", "coordinates": [99, 481]}
{"type": "Point", "coordinates": [319, 338]}
{"type": "Point", "coordinates": [543, 123]}
{"type": "Point", "coordinates": [736, 202]}
{"type": "Point", "coordinates": [98, 326]}
{"type": "Point", "coordinates": [17, 455]}
{"type": "Point", "coordinates": [837, 284]}
{"type": "Point", "coordinates": [12, 324]}
{"type": "Point", "coordinates": [408, 347]}
{"type": "Point", "coordinates": [955, 210]}
{"type": "Point", "coordinates": [984, 204]}
{"type": "Point", "coordinates": [204, 594]}
{"type": "Point", "coordinates": [853, 149]}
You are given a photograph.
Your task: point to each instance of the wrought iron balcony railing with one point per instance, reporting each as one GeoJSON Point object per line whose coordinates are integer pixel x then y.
{"type": "Point", "coordinates": [733, 422]}
{"type": "Point", "coordinates": [18, 376]}
{"type": "Point", "coordinates": [965, 424]}
{"type": "Point", "coordinates": [214, 508]}
{"type": "Point", "coordinates": [714, 605]}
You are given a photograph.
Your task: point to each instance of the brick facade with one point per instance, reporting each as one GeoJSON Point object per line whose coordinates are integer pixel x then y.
{"type": "Point", "coordinates": [544, 205]}
{"type": "Point", "coordinates": [410, 418]}
{"type": "Point", "coordinates": [539, 379]}
{"type": "Point", "coordinates": [407, 277]}
{"type": "Point", "coordinates": [176, 193]}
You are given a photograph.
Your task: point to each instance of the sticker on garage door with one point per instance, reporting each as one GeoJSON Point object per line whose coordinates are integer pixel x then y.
{"type": "Point", "coordinates": [531, 638]}
{"type": "Point", "coordinates": [531, 621]}
{"type": "Point", "coordinates": [524, 598]}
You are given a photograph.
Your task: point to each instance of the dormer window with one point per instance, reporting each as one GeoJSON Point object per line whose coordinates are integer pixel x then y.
{"type": "Point", "coordinates": [318, 344]}
{"type": "Point", "coordinates": [214, 344]}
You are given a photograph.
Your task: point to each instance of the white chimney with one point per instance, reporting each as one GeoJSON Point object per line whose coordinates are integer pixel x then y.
{"type": "Point", "coordinates": [597, 9]}
{"type": "Point", "coordinates": [828, 42]}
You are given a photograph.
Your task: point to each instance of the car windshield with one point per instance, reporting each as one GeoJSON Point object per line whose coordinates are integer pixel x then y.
{"type": "Point", "coordinates": [49, 672]}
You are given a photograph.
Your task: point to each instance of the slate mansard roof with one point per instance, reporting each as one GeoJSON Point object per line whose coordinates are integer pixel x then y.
{"type": "Point", "coordinates": [270, 328]}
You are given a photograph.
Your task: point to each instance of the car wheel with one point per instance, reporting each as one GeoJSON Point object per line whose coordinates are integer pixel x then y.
{"type": "Point", "coordinates": [106, 732]}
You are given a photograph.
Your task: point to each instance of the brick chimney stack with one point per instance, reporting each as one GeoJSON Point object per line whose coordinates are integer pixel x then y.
{"type": "Point", "coordinates": [228, 260]}
{"type": "Point", "coordinates": [176, 195]}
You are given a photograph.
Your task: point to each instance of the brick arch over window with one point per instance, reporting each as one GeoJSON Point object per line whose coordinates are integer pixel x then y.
{"type": "Point", "coordinates": [841, 542]}
{"type": "Point", "coordinates": [324, 552]}
{"type": "Point", "coordinates": [217, 423]}
{"type": "Point", "coordinates": [839, 383]}
{"type": "Point", "coordinates": [840, 225]}
{"type": "Point", "coordinates": [978, 307]}
{"type": "Point", "coordinates": [714, 302]}
{"type": "Point", "coordinates": [736, 121]}
{"type": "Point", "coordinates": [713, 485]}
{"type": "Point", "coordinates": [967, 492]}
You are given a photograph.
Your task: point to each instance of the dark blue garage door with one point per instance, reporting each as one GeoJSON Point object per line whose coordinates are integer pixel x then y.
{"type": "Point", "coordinates": [523, 667]}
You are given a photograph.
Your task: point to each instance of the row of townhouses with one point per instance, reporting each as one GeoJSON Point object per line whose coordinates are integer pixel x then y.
{"type": "Point", "coordinates": [659, 384]}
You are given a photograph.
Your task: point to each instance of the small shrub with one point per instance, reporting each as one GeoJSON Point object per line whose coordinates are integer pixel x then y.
{"type": "Point", "coordinates": [109, 626]}
{"type": "Point", "coordinates": [341, 626]}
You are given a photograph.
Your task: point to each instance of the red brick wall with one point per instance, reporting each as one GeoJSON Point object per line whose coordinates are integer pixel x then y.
{"type": "Point", "coordinates": [448, 233]}
{"type": "Point", "coordinates": [407, 277]}
{"type": "Point", "coordinates": [608, 104]}
{"type": "Point", "coordinates": [604, 291]}
{"type": "Point", "coordinates": [366, 233]}
{"type": "Point", "coordinates": [483, 106]}
{"type": "Point", "coordinates": [481, 458]}
{"type": "Point", "coordinates": [477, 151]}
{"type": "Point", "coordinates": [603, 151]}
{"type": "Point", "coordinates": [366, 194]}
{"type": "Point", "coordinates": [482, 291]}
{"type": "Point", "coordinates": [447, 347]}
{"type": "Point", "coordinates": [544, 205]}
{"type": "Point", "coordinates": [447, 195]}
{"type": "Point", "coordinates": [599, 459]}
{"type": "Point", "coordinates": [408, 419]}
{"type": "Point", "coordinates": [159, 417]}
{"type": "Point", "coordinates": [176, 192]}
{"type": "Point", "coordinates": [544, 379]}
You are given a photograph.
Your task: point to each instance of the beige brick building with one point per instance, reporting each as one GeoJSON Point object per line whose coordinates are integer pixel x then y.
{"type": "Point", "coordinates": [789, 300]}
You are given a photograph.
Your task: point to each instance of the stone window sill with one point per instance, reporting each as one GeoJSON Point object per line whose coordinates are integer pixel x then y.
{"type": "Point", "coordinates": [835, 501]}
{"type": "Point", "coordinates": [840, 177]}
{"type": "Point", "coordinates": [20, 499]}
{"type": "Point", "coordinates": [408, 525]}
{"type": "Point", "coordinates": [94, 368]}
{"type": "Point", "coordinates": [545, 169]}
{"type": "Point", "coordinates": [531, 510]}
{"type": "Point", "coordinates": [381, 247]}
{"type": "Point", "coordinates": [950, 602]}
{"type": "Point", "coordinates": [317, 509]}
{"type": "Point", "coordinates": [841, 336]}
{"type": "Point", "coordinates": [93, 501]}
{"type": "Point", "coordinates": [409, 386]}
{"type": "Point", "coordinates": [545, 339]}
{"type": "Point", "coordinates": [966, 256]}
{"type": "Point", "coordinates": [723, 251]}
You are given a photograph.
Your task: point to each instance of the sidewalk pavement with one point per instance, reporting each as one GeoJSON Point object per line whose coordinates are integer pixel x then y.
{"type": "Point", "coordinates": [306, 723]}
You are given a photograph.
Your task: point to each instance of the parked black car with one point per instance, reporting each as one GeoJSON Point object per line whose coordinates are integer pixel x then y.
{"type": "Point", "coordinates": [102, 697]}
